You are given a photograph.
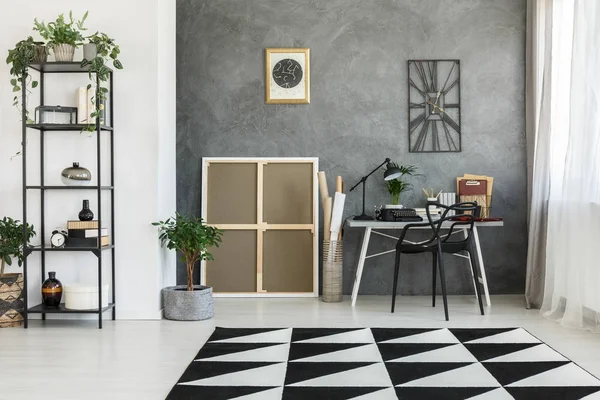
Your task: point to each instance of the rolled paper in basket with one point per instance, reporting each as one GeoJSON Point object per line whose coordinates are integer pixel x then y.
{"type": "Point", "coordinates": [323, 186]}
{"type": "Point", "coordinates": [339, 187]}
{"type": "Point", "coordinates": [327, 205]}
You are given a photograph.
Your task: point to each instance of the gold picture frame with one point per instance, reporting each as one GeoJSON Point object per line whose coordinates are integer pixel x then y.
{"type": "Point", "coordinates": [287, 75]}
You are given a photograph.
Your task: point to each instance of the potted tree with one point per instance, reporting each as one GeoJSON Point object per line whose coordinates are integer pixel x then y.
{"type": "Point", "coordinates": [396, 186]}
{"type": "Point", "coordinates": [62, 36]}
{"type": "Point", "coordinates": [11, 285]}
{"type": "Point", "coordinates": [192, 238]}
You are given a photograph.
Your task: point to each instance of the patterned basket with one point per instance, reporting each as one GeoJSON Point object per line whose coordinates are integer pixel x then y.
{"type": "Point", "coordinates": [332, 271]}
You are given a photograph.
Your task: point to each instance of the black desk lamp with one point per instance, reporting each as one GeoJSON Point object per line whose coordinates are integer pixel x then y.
{"type": "Point", "coordinates": [391, 172]}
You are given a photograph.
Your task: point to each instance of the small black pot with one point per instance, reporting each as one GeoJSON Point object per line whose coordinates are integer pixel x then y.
{"type": "Point", "coordinates": [86, 214]}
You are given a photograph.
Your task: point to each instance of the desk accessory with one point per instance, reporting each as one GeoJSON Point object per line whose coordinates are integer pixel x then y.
{"type": "Point", "coordinates": [402, 215]}
{"type": "Point", "coordinates": [55, 115]}
{"type": "Point", "coordinates": [484, 201]}
{"type": "Point", "coordinates": [390, 173]}
{"type": "Point", "coordinates": [76, 175]}
{"type": "Point", "coordinates": [52, 291]}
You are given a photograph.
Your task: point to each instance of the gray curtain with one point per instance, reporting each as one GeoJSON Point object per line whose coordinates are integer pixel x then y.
{"type": "Point", "coordinates": [538, 81]}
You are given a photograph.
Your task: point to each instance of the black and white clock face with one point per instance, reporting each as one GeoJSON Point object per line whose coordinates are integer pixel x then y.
{"type": "Point", "coordinates": [287, 73]}
{"type": "Point", "coordinates": [58, 239]}
{"type": "Point", "coordinates": [434, 106]}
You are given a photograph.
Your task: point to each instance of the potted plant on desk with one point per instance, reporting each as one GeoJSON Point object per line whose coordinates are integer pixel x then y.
{"type": "Point", "coordinates": [193, 238]}
{"type": "Point", "coordinates": [396, 186]}
{"type": "Point", "coordinates": [11, 285]}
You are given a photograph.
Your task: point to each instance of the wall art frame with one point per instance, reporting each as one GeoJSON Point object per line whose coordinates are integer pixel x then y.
{"type": "Point", "coordinates": [287, 75]}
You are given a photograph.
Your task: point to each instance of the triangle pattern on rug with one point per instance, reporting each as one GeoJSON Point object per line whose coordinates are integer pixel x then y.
{"type": "Point", "coordinates": [334, 352]}
{"type": "Point", "coordinates": [568, 374]}
{"type": "Point", "coordinates": [496, 394]}
{"type": "Point", "coordinates": [373, 375]}
{"type": "Point", "coordinates": [540, 352]}
{"type": "Point", "coordinates": [382, 394]}
{"type": "Point", "coordinates": [552, 392]}
{"type": "Point", "coordinates": [452, 353]}
{"type": "Point", "coordinates": [231, 374]}
{"type": "Point", "coordinates": [507, 373]}
{"type": "Point", "coordinates": [485, 351]}
{"type": "Point", "coordinates": [269, 336]}
{"type": "Point", "coordinates": [270, 394]}
{"type": "Point", "coordinates": [431, 336]}
{"type": "Point", "coordinates": [214, 392]}
{"type": "Point", "coordinates": [332, 335]}
{"type": "Point", "coordinates": [385, 334]}
{"type": "Point", "coordinates": [395, 351]}
{"type": "Point", "coordinates": [328, 393]}
{"type": "Point", "coordinates": [518, 335]}
{"type": "Point", "coordinates": [406, 372]}
{"type": "Point", "coordinates": [473, 375]}
{"type": "Point", "coordinates": [437, 393]}
{"type": "Point", "coordinates": [303, 371]}
{"type": "Point", "coordinates": [468, 334]}
{"type": "Point", "coordinates": [270, 352]}
{"type": "Point", "coordinates": [229, 333]}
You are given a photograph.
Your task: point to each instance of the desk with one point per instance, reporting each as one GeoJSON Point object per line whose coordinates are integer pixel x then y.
{"type": "Point", "coordinates": [370, 227]}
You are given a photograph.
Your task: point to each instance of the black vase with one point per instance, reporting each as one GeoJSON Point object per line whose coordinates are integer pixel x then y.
{"type": "Point", "coordinates": [52, 291]}
{"type": "Point", "coordinates": [86, 214]}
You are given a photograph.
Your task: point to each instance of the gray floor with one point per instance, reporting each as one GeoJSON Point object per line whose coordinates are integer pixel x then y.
{"type": "Point", "coordinates": [143, 359]}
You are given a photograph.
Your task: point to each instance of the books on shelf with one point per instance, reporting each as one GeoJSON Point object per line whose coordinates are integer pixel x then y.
{"type": "Point", "coordinates": [87, 233]}
{"type": "Point", "coordinates": [87, 242]}
{"type": "Point", "coordinates": [82, 224]}
{"type": "Point", "coordinates": [81, 97]}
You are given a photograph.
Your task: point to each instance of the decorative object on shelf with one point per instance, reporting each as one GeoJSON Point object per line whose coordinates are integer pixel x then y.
{"type": "Point", "coordinates": [11, 285]}
{"type": "Point", "coordinates": [55, 115]}
{"type": "Point", "coordinates": [58, 239]}
{"type": "Point", "coordinates": [76, 175]}
{"type": "Point", "coordinates": [193, 238]}
{"type": "Point", "coordinates": [52, 290]}
{"type": "Point", "coordinates": [397, 186]}
{"type": "Point", "coordinates": [287, 77]}
{"type": "Point", "coordinates": [430, 194]}
{"type": "Point", "coordinates": [86, 214]}
{"type": "Point", "coordinates": [88, 242]}
{"type": "Point", "coordinates": [391, 172]}
{"type": "Point", "coordinates": [471, 187]}
{"type": "Point", "coordinates": [434, 106]}
{"type": "Point", "coordinates": [84, 297]}
{"type": "Point", "coordinates": [82, 225]}
{"type": "Point", "coordinates": [86, 233]}
{"type": "Point", "coordinates": [41, 53]}
{"type": "Point", "coordinates": [62, 36]}
{"type": "Point", "coordinates": [81, 99]}
{"type": "Point", "coordinates": [89, 51]}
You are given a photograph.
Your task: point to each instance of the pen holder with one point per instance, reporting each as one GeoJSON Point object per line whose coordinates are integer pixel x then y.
{"type": "Point", "coordinates": [434, 199]}
{"type": "Point", "coordinates": [332, 271]}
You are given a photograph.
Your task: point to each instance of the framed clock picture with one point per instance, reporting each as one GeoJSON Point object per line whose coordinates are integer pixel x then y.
{"type": "Point", "coordinates": [434, 106]}
{"type": "Point", "coordinates": [287, 76]}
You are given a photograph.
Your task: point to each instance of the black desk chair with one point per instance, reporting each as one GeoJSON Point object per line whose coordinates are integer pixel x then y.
{"type": "Point", "coordinates": [438, 244]}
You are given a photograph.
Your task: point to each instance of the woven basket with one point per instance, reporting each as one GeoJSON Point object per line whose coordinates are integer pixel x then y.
{"type": "Point", "coordinates": [332, 271]}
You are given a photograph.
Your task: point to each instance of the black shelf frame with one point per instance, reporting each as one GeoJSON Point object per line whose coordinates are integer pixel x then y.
{"type": "Point", "coordinates": [68, 68]}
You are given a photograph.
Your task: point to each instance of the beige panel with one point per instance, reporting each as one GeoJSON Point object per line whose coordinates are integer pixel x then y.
{"type": "Point", "coordinates": [288, 193]}
{"type": "Point", "coordinates": [231, 193]}
{"type": "Point", "coordinates": [234, 268]}
{"type": "Point", "coordinates": [288, 261]}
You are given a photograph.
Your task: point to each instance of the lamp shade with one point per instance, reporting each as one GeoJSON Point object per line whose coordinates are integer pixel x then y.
{"type": "Point", "coordinates": [391, 172]}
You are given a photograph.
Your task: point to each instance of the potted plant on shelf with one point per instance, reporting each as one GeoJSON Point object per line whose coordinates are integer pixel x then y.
{"type": "Point", "coordinates": [11, 285]}
{"type": "Point", "coordinates": [62, 36]}
{"type": "Point", "coordinates": [396, 186]}
{"type": "Point", "coordinates": [193, 238]}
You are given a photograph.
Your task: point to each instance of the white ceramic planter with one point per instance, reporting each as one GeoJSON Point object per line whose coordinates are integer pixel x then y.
{"type": "Point", "coordinates": [84, 297]}
{"type": "Point", "coordinates": [89, 51]}
{"type": "Point", "coordinates": [63, 52]}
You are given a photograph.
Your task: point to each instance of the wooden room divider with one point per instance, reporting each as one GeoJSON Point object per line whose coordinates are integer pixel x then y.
{"type": "Point", "coordinates": [268, 210]}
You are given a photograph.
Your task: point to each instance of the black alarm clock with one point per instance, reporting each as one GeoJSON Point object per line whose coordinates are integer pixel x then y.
{"type": "Point", "coordinates": [58, 239]}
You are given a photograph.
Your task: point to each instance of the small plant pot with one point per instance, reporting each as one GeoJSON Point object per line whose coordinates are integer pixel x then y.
{"type": "Point", "coordinates": [41, 55]}
{"type": "Point", "coordinates": [89, 51]}
{"type": "Point", "coordinates": [64, 52]}
{"type": "Point", "coordinates": [181, 305]}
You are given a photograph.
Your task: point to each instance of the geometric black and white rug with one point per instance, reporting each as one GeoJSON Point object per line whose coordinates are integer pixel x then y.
{"type": "Point", "coordinates": [381, 364]}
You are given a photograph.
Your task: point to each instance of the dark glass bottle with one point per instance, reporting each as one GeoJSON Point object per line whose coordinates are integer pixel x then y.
{"type": "Point", "coordinates": [86, 214]}
{"type": "Point", "coordinates": [52, 291]}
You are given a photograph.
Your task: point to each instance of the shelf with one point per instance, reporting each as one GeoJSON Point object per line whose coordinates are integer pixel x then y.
{"type": "Point", "coordinates": [61, 309]}
{"type": "Point", "coordinates": [61, 67]}
{"type": "Point", "coordinates": [66, 127]}
{"type": "Point", "coordinates": [68, 187]}
{"type": "Point", "coordinates": [44, 249]}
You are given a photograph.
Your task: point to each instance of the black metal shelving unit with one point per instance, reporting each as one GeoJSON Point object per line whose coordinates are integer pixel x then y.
{"type": "Point", "coordinates": [68, 68]}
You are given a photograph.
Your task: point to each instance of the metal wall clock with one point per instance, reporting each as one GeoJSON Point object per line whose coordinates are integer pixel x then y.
{"type": "Point", "coordinates": [434, 106]}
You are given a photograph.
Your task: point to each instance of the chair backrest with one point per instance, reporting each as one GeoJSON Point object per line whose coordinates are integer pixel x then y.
{"type": "Point", "coordinates": [462, 218]}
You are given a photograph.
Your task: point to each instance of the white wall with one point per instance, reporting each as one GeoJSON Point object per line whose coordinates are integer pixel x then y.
{"type": "Point", "coordinates": [144, 96]}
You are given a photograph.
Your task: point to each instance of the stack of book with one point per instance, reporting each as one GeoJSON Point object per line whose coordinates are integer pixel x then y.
{"type": "Point", "coordinates": [85, 234]}
{"type": "Point", "coordinates": [432, 210]}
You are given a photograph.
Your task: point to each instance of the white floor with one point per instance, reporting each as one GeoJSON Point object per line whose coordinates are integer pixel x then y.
{"type": "Point", "coordinates": [144, 359]}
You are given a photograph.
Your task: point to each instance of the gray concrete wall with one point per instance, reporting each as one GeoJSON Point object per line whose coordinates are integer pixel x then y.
{"type": "Point", "coordinates": [358, 110]}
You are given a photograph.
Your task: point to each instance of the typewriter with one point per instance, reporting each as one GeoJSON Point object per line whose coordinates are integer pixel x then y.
{"type": "Point", "coordinates": [398, 215]}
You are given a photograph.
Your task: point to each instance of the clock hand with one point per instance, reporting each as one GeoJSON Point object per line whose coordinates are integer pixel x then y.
{"type": "Point", "coordinates": [435, 106]}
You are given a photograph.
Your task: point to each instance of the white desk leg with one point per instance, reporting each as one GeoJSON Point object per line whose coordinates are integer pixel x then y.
{"type": "Point", "coordinates": [481, 267]}
{"type": "Point", "coordinates": [361, 264]}
{"type": "Point", "coordinates": [466, 235]}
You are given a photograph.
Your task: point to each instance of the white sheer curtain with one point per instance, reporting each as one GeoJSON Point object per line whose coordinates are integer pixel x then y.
{"type": "Point", "coordinates": [571, 126]}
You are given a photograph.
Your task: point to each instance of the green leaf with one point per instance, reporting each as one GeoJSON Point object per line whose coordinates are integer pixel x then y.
{"type": "Point", "coordinates": [34, 84]}
{"type": "Point", "coordinates": [16, 88]}
{"type": "Point", "coordinates": [117, 64]}
{"type": "Point", "coordinates": [13, 82]}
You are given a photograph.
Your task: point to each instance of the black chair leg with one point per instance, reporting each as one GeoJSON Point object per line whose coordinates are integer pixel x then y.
{"type": "Point", "coordinates": [434, 274]}
{"type": "Point", "coordinates": [476, 277]}
{"type": "Point", "coordinates": [443, 280]}
{"type": "Point", "coordinates": [396, 269]}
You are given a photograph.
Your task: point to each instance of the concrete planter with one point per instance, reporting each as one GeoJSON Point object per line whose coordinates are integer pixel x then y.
{"type": "Point", "coordinates": [181, 305]}
{"type": "Point", "coordinates": [89, 51]}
